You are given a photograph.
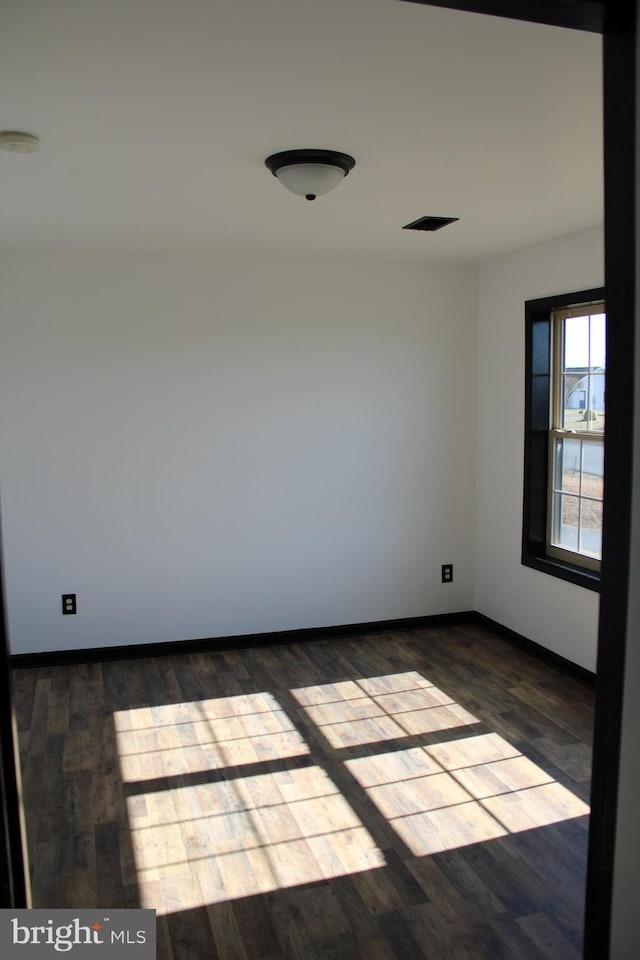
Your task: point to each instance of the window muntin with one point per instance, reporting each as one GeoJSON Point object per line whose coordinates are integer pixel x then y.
{"type": "Point", "coordinates": [576, 434]}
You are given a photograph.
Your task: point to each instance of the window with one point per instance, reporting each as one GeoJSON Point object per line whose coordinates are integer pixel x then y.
{"type": "Point", "coordinates": [564, 435]}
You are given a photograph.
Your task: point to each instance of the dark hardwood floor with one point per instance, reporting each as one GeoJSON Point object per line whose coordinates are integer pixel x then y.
{"type": "Point", "coordinates": [391, 797]}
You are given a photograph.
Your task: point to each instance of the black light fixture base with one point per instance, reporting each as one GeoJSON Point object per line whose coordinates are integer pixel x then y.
{"type": "Point", "coordinates": [331, 157]}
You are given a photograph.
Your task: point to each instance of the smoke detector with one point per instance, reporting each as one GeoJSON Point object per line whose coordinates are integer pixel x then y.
{"type": "Point", "coordinates": [16, 142]}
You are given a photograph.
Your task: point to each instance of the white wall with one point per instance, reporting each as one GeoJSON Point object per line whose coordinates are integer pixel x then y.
{"type": "Point", "coordinates": [202, 447]}
{"type": "Point", "coordinates": [559, 615]}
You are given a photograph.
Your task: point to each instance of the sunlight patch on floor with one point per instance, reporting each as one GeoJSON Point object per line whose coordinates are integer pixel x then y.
{"type": "Point", "coordinates": [244, 837]}
{"type": "Point", "coordinates": [374, 709]}
{"type": "Point", "coordinates": [183, 738]}
{"type": "Point", "coordinates": [225, 799]}
{"type": "Point", "coordinates": [465, 791]}
{"type": "Point", "coordinates": [231, 836]}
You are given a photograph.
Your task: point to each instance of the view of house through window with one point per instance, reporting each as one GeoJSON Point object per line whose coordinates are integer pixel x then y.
{"type": "Point", "coordinates": [576, 435]}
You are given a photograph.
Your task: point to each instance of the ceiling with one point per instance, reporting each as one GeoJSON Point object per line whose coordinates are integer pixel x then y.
{"type": "Point", "coordinates": [155, 117]}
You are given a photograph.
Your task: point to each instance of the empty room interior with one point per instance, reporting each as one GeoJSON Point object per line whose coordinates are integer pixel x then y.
{"type": "Point", "coordinates": [293, 664]}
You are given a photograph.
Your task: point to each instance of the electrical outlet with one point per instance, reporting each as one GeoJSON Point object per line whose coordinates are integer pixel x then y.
{"type": "Point", "coordinates": [447, 572]}
{"type": "Point", "coordinates": [69, 603]}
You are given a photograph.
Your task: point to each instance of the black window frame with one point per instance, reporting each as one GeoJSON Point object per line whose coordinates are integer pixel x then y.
{"type": "Point", "coordinates": [538, 398]}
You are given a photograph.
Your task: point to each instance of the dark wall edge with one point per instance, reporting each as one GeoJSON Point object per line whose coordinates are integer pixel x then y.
{"type": "Point", "coordinates": [536, 650]}
{"type": "Point", "coordinates": [214, 644]}
{"type": "Point", "coordinates": [576, 14]}
{"type": "Point", "coordinates": [14, 879]}
{"type": "Point", "coordinates": [620, 107]}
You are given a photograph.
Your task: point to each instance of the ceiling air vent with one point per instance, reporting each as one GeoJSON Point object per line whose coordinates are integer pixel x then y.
{"type": "Point", "coordinates": [430, 223]}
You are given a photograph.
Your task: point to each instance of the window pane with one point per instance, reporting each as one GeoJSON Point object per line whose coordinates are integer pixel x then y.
{"type": "Point", "coordinates": [591, 528]}
{"type": "Point", "coordinates": [567, 515]}
{"type": "Point", "coordinates": [567, 466]}
{"type": "Point", "coordinates": [593, 470]}
{"type": "Point", "coordinates": [576, 393]}
{"type": "Point", "coordinates": [598, 340]}
{"type": "Point", "coordinates": [576, 342]}
{"type": "Point", "coordinates": [578, 472]}
{"type": "Point", "coordinates": [597, 398]}
{"type": "Point", "coordinates": [583, 373]}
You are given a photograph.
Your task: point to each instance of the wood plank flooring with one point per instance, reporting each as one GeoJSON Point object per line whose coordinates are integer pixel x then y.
{"type": "Point", "coordinates": [390, 797]}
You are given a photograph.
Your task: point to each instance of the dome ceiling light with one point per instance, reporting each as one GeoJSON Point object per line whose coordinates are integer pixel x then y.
{"type": "Point", "coordinates": [310, 173]}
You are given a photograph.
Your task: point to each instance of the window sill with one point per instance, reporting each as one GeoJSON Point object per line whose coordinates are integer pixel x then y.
{"type": "Point", "coordinates": [589, 579]}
